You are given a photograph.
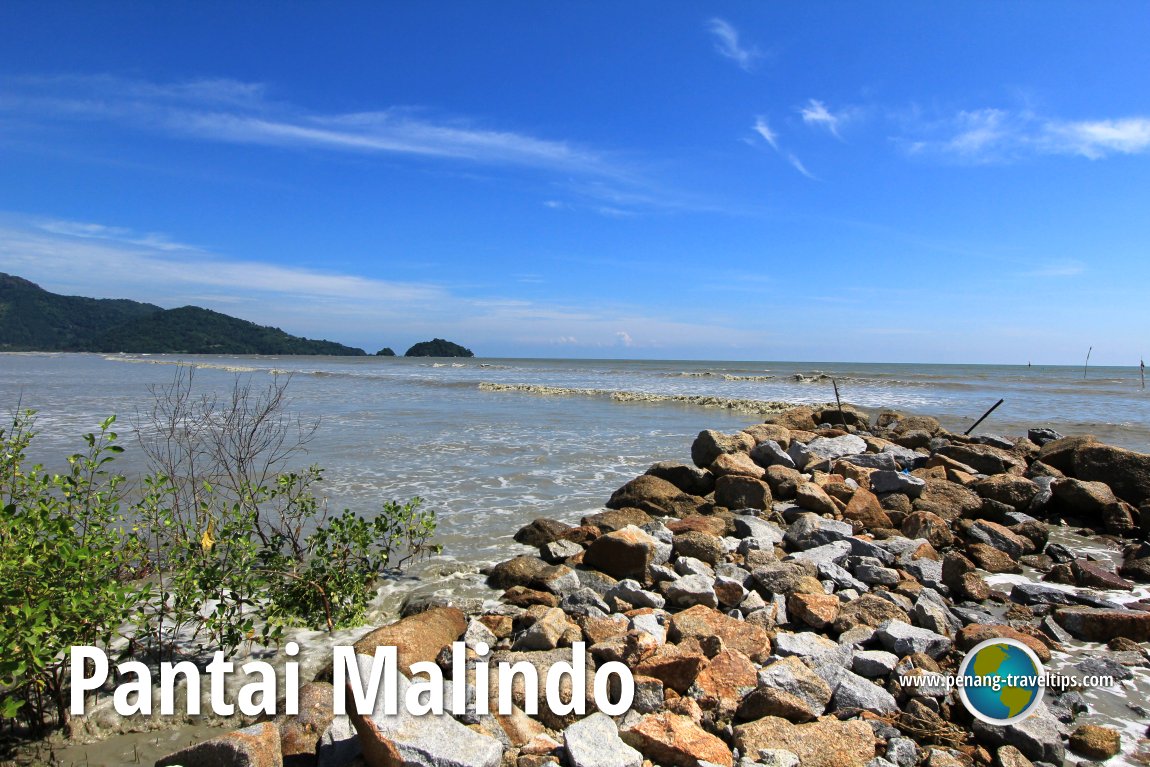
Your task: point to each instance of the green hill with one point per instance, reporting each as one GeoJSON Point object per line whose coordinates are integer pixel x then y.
{"type": "Point", "coordinates": [437, 348]}
{"type": "Point", "coordinates": [32, 319]}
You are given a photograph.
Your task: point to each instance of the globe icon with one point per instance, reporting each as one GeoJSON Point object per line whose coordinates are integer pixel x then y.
{"type": "Point", "coordinates": [1000, 681]}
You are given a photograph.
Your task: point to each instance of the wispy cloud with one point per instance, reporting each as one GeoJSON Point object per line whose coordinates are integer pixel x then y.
{"type": "Point", "coordinates": [116, 262]}
{"type": "Point", "coordinates": [728, 45]}
{"type": "Point", "coordinates": [816, 113]}
{"type": "Point", "coordinates": [990, 135]}
{"type": "Point", "coordinates": [763, 130]}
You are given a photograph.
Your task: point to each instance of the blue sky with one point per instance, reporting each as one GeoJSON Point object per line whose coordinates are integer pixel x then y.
{"type": "Point", "coordinates": [905, 181]}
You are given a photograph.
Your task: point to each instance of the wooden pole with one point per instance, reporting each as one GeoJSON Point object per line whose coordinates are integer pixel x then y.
{"type": "Point", "coordinates": [842, 418]}
{"type": "Point", "coordinates": [984, 415]}
{"type": "Point", "coordinates": [1087, 362]}
{"type": "Point", "coordinates": [1142, 368]}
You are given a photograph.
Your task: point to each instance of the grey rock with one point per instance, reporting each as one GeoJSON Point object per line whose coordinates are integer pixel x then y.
{"type": "Point", "coordinates": [595, 742]}
{"type": "Point", "coordinates": [583, 602]}
{"type": "Point", "coordinates": [874, 664]}
{"type": "Point", "coordinates": [831, 552]}
{"type": "Point", "coordinates": [770, 453]}
{"type": "Point", "coordinates": [825, 449]}
{"type": "Point", "coordinates": [1038, 594]}
{"type": "Point", "coordinates": [477, 632]}
{"type": "Point", "coordinates": [650, 623]}
{"type": "Point", "coordinates": [339, 744]}
{"type": "Point", "coordinates": [557, 551]}
{"type": "Point", "coordinates": [903, 752]}
{"type": "Point", "coordinates": [431, 740]}
{"type": "Point", "coordinates": [902, 639]}
{"type": "Point", "coordinates": [791, 675]}
{"type": "Point", "coordinates": [861, 547]}
{"type": "Point", "coordinates": [810, 530]}
{"type": "Point", "coordinates": [855, 693]}
{"type": "Point", "coordinates": [896, 482]}
{"type": "Point", "coordinates": [883, 461]}
{"type": "Point", "coordinates": [876, 575]}
{"type": "Point", "coordinates": [840, 576]}
{"type": "Point", "coordinates": [1041, 436]}
{"type": "Point", "coordinates": [631, 592]}
{"type": "Point", "coordinates": [932, 616]}
{"type": "Point", "coordinates": [747, 526]}
{"type": "Point", "coordinates": [804, 644]}
{"type": "Point", "coordinates": [928, 572]}
{"type": "Point", "coordinates": [660, 573]}
{"type": "Point", "coordinates": [1037, 736]}
{"type": "Point", "coordinates": [969, 615]}
{"type": "Point", "coordinates": [692, 566]}
{"type": "Point", "coordinates": [691, 590]}
{"type": "Point", "coordinates": [1103, 666]}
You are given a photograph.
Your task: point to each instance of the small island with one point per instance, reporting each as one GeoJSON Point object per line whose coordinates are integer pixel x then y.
{"type": "Point", "coordinates": [386, 351]}
{"type": "Point", "coordinates": [438, 347]}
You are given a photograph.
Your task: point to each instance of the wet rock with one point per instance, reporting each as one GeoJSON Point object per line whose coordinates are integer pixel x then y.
{"type": "Point", "coordinates": [737, 492]}
{"type": "Point", "coordinates": [622, 554]}
{"type": "Point", "coordinates": [826, 743]}
{"type": "Point", "coordinates": [690, 479]}
{"type": "Point", "coordinates": [255, 746]}
{"type": "Point", "coordinates": [710, 444]}
{"type": "Point", "coordinates": [655, 496]}
{"type": "Point", "coordinates": [1095, 742]}
{"type": "Point", "coordinates": [595, 742]}
{"type": "Point", "coordinates": [616, 519]}
{"type": "Point", "coordinates": [1037, 736]}
{"type": "Point", "coordinates": [993, 560]}
{"type": "Point", "coordinates": [1102, 625]}
{"type": "Point", "coordinates": [541, 531]}
{"type": "Point", "coordinates": [676, 741]}
{"type": "Point", "coordinates": [1093, 575]}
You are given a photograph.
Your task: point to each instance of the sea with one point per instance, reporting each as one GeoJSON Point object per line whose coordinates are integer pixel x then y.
{"type": "Point", "coordinates": [491, 444]}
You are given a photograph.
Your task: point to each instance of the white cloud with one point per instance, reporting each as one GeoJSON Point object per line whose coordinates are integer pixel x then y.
{"type": "Point", "coordinates": [816, 113]}
{"type": "Point", "coordinates": [1057, 269]}
{"type": "Point", "coordinates": [728, 45]}
{"type": "Point", "coordinates": [115, 262]}
{"type": "Point", "coordinates": [991, 135]}
{"type": "Point", "coordinates": [797, 164]}
{"type": "Point", "coordinates": [764, 130]}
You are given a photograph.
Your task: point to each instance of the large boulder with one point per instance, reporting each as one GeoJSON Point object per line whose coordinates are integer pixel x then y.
{"type": "Point", "coordinates": [710, 444]}
{"type": "Point", "coordinates": [418, 638]}
{"type": "Point", "coordinates": [1007, 488]}
{"type": "Point", "coordinates": [255, 746]}
{"type": "Point", "coordinates": [1059, 453]}
{"type": "Point", "coordinates": [689, 479]}
{"type": "Point", "coordinates": [948, 500]}
{"type": "Point", "coordinates": [1101, 625]}
{"type": "Point", "coordinates": [738, 492]}
{"type": "Point", "coordinates": [701, 622]}
{"type": "Point", "coordinates": [654, 496]}
{"type": "Point", "coordinates": [985, 459]}
{"type": "Point", "coordinates": [541, 531]}
{"type": "Point", "coordinates": [1125, 471]}
{"type": "Point", "coordinates": [865, 509]}
{"type": "Point", "coordinates": [674, 740]}
{"type": "Point", "coordinates": [625, 553]}
{"type": "Point", "coordinates": [826, 743]}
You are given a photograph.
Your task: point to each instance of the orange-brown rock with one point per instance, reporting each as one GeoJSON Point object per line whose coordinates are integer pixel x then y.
{"type": "Point", "coordinates": [815, 610]}
{"type": "Point", "coordinates": [971, 635]}
{"type": "Point", "coordinates": [676, 741]}
{"type": "Point", "coordinates": [420, 637]}
{"type": "Point", "coordinates": [675, 667]}
{"type": "Point", "coordinates": [722, 684]}
{"type": "Point", "coordinates": [864, 508]}
{"type": "Point", "coordinates": [255, 746]}
{"type": "Point", "coordinates": [300, 733]}
{"type": "Point", "coordinates": [622, 554]}
{"type": "Point", "coordinates": [701, 621]}
{"type": "Point", "coordinates": [825, 743]}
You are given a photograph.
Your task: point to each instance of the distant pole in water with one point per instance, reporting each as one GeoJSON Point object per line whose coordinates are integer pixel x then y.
{"type": "Point", "coordinates": [842, 418]}
{"type": "Point", "coordinates": [1087, 362]}
{"type": "Point", "coordinates": [1142, 368]}
{"type": "Point", "coordinates": [984, 415]}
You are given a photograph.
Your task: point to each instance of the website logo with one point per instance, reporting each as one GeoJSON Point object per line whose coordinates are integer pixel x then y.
{"type": "Point", "coordinates": [1001, 681]}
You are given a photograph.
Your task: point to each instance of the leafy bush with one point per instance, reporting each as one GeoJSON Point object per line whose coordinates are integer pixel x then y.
{"type": "Point", "coordinates": [219, 545]}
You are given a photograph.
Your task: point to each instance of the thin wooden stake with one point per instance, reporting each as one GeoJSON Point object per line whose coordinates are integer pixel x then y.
{"type": "Point", "coordinates": [1087, 362]}
{"type": "Point", "coordinates": [984, 415]}
{"type": "Point", "coordinates": [842, 418]}
{"type": "Point", "coordinates": [1142, 367]}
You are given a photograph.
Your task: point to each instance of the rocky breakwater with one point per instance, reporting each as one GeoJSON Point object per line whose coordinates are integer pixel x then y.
{"type": "Point", "coordinates": [771, 599]}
